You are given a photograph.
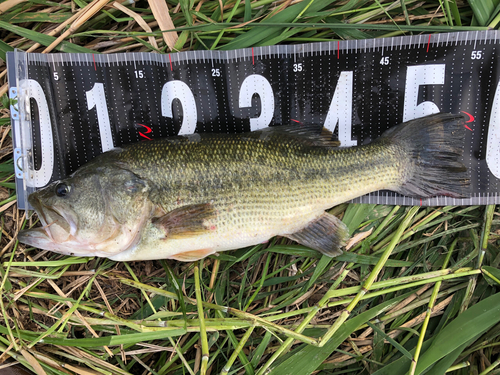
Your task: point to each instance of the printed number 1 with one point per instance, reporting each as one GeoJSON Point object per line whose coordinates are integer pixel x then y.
{"type": "Point", "coordinates": [96, 98]}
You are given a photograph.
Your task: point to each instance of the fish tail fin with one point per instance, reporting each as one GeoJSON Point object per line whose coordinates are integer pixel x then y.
{"type": "Point", "coordinates": [435, 145]}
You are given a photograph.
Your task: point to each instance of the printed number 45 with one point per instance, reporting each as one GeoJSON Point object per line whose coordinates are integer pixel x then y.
{"type": "Point", "coordinates": [384, 60]}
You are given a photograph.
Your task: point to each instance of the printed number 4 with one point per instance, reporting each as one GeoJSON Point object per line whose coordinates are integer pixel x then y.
{"type": "Point", "coordinates": [384, 60]}
{"type": "Point", "coordinates": [297, 67]}
{"type": "Point", "coordinates": [476, 55]}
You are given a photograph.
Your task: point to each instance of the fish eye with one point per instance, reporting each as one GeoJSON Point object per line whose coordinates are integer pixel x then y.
{"type": "Point", "coordinates": [62, 189]}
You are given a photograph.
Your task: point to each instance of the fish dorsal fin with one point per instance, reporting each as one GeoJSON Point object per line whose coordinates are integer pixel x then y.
{"type": "Point", "coordinates": [187, 221]}
{"type": "Point", "coordinates": [326, 234]}
{"type": "Point", "coordinates": [312, 135]}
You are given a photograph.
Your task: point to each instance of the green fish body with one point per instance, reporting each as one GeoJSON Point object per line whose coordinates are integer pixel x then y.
{"type": "Point", "coordinates": [187, 197]}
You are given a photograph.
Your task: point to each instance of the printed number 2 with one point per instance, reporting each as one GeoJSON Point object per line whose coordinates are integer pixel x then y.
{"type": "Point", "coordinates": [297, 67]}
{"type": "Point", "coordinates": [476, 55]}
{"type": "Point", "coordinates": [384, 60]}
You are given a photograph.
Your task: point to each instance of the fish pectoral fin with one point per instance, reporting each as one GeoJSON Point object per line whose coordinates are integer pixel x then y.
{"type": "Point", "coordinates": [187, 221]}
{"type": "Point", "coordinates": [326, 234]}
{"type": "Point", "coordinates": [191, 256]}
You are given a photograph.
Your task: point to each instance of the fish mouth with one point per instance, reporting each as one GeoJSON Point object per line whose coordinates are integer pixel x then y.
{"type": "Point", "coordinates": [36, 237]}
{"type": "Point", "coordinates": [58, 224]}
{"type": "Point", "coordinates": [40, 238]}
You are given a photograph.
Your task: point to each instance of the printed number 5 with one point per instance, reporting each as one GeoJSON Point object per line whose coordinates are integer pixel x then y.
{"type": "Point", "coordinates": [297, 67]}
{"type": "Point", "coordinates": [476, 55]}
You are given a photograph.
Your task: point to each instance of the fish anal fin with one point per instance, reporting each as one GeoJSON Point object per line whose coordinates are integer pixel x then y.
{"type": "Point", "coordinates": [187, 221]}
{"type": "Point", "coordinates": [326, 234]}
{"type": "Point", "coordinates": [191, 256]}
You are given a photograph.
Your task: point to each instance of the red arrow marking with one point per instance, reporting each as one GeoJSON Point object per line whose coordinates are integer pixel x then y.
{"type": "Point", "coordinates": [93, 58]}
{"type": "Point", "coordinates": [170, 59]}
{"type": "Point", "coordinates": [148, 130]}
{"type": "Point", "coordinates": [429, 43]}
{"type": "Point", "coordinates": [471, 118]}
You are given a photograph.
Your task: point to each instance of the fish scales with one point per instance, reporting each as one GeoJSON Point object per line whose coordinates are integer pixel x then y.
{"type": "Point", "coordinates": [188, 197]}
{"type": "Point", "coordinates": [253, 182]}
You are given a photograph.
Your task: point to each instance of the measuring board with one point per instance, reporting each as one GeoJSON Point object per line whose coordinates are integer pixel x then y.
{"type": "Point", "coordinates": [72, 107]}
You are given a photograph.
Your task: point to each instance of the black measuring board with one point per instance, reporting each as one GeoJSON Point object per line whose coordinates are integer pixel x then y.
{"type": "Point", "coordinates": [72, 107]}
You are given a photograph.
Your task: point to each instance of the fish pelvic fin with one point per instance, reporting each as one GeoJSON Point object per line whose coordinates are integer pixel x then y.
{"type": "Point", "coordinates": [327, 234]}
{"type": "Point", "coordinates": [187, 221]}
{"type": "Point", "coordinates": [435, 146]}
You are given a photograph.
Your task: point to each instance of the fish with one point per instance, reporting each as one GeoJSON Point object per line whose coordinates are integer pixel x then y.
{"type": "Point", "coordinates": [187, 197]}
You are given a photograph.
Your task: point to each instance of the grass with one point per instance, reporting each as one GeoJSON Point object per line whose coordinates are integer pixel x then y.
{"type": "Point", "coordinates": [418, 290]}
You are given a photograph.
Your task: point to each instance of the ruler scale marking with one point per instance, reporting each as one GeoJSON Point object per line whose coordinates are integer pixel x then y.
{"type": "Point", "coordinates": [309, 55]}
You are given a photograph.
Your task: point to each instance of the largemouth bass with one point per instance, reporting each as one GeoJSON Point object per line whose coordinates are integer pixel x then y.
{"type": "Point", "coordinates": [188, 197]}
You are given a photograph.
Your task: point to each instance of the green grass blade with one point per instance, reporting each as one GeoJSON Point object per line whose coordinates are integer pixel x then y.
{"type": "Point", "coordinates": [393, 342]}
{"type": "Point", "coordinates": [43, 39]}
{"type": "Point", "coordinates": [307, 359]}
{"type": "Point", "coordinates": [446, 362]}
{"type": "Point", "coordinates": [476, 319]}
{"type": "Point", "coordinates": [483, 10]}
{"type": "Point", "coordinates": [4, 48]}
{"type": "Point", "coordinates": [259, 352]}
{"type": "Point", "coordinates": [492, 273]}
{"type": "Point", "coordinates": [254, 37]}
{"type": "Point", "coordinates": [178, 290]}
{"type": "Point", "coordinates": [355, 214]}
